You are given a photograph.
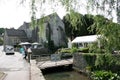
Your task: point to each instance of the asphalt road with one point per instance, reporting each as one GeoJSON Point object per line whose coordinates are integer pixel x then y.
{"type": "Point", "coordinates": [14, 66]}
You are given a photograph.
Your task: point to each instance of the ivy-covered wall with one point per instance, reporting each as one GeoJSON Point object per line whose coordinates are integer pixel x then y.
{"type": "Point", "coordinates": [83, 61]}
{"type": "Point", "coordinates": [79, 62]}
{"type": "Point", "coordinates": [89, 61]}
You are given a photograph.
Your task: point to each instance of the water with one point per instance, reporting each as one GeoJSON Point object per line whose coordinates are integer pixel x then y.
{"type": "Point", "coordinates": [63, 74]}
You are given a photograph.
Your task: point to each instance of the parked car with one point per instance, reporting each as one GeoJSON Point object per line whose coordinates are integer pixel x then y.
{"type": "Point", "coordinates": [9, 49]}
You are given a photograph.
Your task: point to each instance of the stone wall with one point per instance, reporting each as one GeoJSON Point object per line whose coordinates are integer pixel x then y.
{"type": "Point", "coordinates": [54, 27]}
{"type": "Point", "coordinates": [79, 62]}
{"type": "Point", "coordinates": [85, 62]}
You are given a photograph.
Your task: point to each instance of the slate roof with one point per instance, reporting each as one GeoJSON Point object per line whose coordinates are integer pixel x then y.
{"type": "Point", "coordinates": [16, 33]}
{"type": "Point", "coordinates": [48, 17]}
{"type": "Point", "coordinates": [25, 25]}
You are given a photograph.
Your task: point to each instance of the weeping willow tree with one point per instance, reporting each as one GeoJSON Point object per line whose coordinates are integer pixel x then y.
{"type": "Point", "coordinates": [109, 31]}
{"type": "Point", "coordinates": [106, 6]}
{"type": "Point", "coordinates": [102, 7]}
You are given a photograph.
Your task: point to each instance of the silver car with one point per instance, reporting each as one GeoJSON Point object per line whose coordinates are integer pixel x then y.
{"type": "Point", "coordinates": [9, 49]}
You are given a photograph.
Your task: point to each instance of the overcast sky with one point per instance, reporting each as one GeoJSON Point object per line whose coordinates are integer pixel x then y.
{"type": "Point", "coordinates": [12, 14]}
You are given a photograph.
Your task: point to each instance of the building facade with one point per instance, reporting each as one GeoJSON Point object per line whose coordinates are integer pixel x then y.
{"type": "Point", "coordinates": [48, 29]}
{"type": "Point", "coordinates": [14, 37]}
{"type": "Point", "coordinates": [52, 29]}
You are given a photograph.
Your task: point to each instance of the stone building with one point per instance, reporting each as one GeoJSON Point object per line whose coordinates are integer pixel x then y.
{"type": "Point", "coordinates": [48, 28]}
{"type": "Point", "coordinates": [13, 36]}
{"type": "Point", "coordinates": [26, 28]}
{"type": "Point", "coordinates": [52, 29]}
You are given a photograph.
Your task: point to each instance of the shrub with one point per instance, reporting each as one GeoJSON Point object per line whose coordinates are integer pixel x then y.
{"type": "Point", "coordinates": [84, 50]}
{"type": "Point", "coordinates": [95, 49]}
{"type": "Point", "coordinates": [1, 41]}
{"type": "Point", "coordinates": [64, 50]}
{"type": "Point", "coordinates": [104, 75]}
{"type": "Point", "coordinates": [106, 62]}
{"type": "Point", "coordinates": [73, 50]}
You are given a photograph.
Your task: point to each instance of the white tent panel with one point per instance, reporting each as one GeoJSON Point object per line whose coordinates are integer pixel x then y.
{"type": "Point", "coordinates": [86, 39]}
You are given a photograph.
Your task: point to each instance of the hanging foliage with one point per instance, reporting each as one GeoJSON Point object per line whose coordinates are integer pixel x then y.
{"type": "Point", "coordinates": [103, 26]}
{"type": "Point", "coordinates": [110, 32]}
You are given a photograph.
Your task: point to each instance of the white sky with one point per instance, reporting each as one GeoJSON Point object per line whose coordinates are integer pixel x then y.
{"type": "Point", "coordinates": [12, 14]}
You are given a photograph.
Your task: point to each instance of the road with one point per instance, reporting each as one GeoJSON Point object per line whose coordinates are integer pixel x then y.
{"type": "Point", "coordinates": [14, 66]}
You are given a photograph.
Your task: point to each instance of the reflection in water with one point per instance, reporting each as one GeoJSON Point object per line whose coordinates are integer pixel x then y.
{"type": "Point", "coordinates": [64, 74]}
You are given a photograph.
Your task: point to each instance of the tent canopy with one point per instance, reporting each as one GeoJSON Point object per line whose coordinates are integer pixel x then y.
{"type": "Point", "coordinates": [86, 39]}
{"type": "Point", "coordinates": [35, 43]}
{"type": "Point", "coordinates": [24, 43]}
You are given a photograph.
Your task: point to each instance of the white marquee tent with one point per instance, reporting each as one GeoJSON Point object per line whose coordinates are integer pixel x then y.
{"type": "Point", "coordinates": [24, 43]}
{"type": "Point", "coordinates": [86, 39]}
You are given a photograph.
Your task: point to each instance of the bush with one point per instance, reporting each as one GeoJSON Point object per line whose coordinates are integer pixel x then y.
{"type": "Point", "coordinates": [73, 50]}
{"type": "Point", "coordinates": [1, 41]}
{"type": "Point", "coordinates": [107, 62]}
{"type": "Point", "coordinates": [95, 49]}
{"type": "Point", "coordinates": [66, 56]}
{"type": "Point", "coordinates": [64, 50]}
{"type": "Point", "coordinates": [104, 75]}
{"type": "Point", "coordinates": [65, 53]}
{"type": "Point", "coordinates": [84, 50]}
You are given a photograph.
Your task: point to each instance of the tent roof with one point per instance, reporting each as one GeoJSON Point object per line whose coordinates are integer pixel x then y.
{"type": "Point", "coordinates": [24, 43]}
{"type": "Point", "coordinates": [86, 39]}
